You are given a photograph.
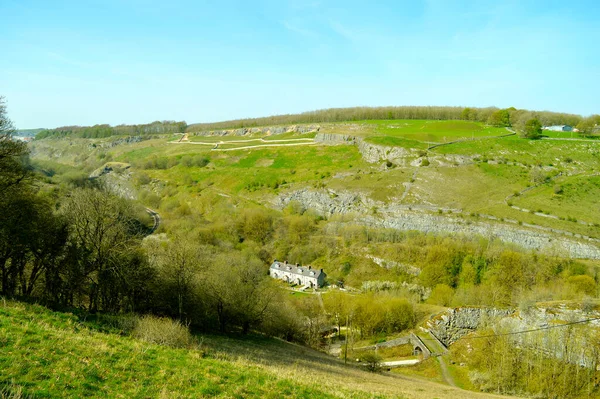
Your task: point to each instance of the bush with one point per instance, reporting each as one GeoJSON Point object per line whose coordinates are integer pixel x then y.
{"type": "Point", "coordinates": [425, 162]}
{"type": "Point", "coordinates": [163, 331]}
{"type": "Point", "coordinates": [201, 161]}
{"type": "Point", "coordinates": [372, 360]}
{"type": "Point", "coordinates": [125, 323]}
{"type": "Point", "coordinates": [538, 176]}
{"type": "Point", "coordinates": [441, 295]}
{"type": "Point", "coordinates": [142, 179]}
{"type": "Point", "coordinates": [583, 284]}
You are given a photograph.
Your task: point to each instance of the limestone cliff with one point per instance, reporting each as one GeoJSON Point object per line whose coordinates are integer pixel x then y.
{"type": "Point", "coordinates": [426, 219]}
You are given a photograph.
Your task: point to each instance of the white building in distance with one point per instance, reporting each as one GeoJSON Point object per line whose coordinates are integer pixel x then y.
{"type": "Point", "coordinates": [296, 274]}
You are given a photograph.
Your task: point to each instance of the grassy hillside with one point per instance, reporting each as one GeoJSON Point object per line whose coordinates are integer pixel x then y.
{"type": "Point", "coordinates": [482, 173]}
{"type": "Point", "coordinates": [45, 354]}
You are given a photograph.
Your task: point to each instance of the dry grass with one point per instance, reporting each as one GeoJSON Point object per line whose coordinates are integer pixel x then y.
{"type": "Point", "coordinates": [163, 331]}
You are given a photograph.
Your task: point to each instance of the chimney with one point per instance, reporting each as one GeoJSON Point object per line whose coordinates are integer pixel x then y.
{"type": "Point", "coordinates": [321, 270]}
{"type": "Point", "coordinates": [297, 264]}
{"type": "Point", "coordinates": [310, 267]}
{"type": "Point", "coordinates": [285, 262]}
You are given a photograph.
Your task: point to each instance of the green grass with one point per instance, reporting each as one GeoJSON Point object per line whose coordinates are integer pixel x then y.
{"type": "Point", "coordinates": [397, 142]}
{"type": "Point", "coordinates": [578, 199]}
{"type": "Point", "coordinates": [251, 138]}
{"type": "Point", "coordinates": [234, 171]}
{"type": "Point", "coordinates": [434, 131]}
{"type": "Point", "coordinates": [218, 139]}
{"type": "Point", "coordinates": [429, 369]}
{"type": "Point", "coordinates": [52, 354]}
{"type": "Point", "coordinates": [291, 135]}
{"type": "Point", "coordinates": [44, 354]}
{"type": "Point", "coordinates": [460, 375]}
{"type": "Point", "coordinates": [261, 144]}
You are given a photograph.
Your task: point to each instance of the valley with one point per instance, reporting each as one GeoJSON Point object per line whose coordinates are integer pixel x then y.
{"type": "Point", "coordinates": [410, 220]}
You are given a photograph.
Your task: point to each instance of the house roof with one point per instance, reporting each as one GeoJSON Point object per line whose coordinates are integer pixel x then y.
{"type": "Point", "coordinates": [297, 269]}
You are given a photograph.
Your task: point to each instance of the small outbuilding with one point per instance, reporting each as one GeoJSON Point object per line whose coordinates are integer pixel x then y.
{"type": "Point", "coordinates": [296, 274]}
{"type": "Point", "coordinates": [559, 128]}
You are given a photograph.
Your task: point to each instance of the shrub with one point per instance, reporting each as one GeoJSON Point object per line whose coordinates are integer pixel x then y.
{"type": "Point", "coordinates": [143, 179]}
{"type": "Point", "coordinates": [372, 360]}
{"type": "Point", "coordinates": [201, 161]}
{"type": "Point", "coordinates": [162, 331]}
{"type": "Point", "coordinates": [558, 189]}
{"type": "Point", "coordinates": [425, 162]}
{"type": "Point", "coordinates": [125, 323]}
{"type": "Point", "coordinates": [441, 295]}
{"type": "Point", "coordinates": [583, 284]}
{"type": "Point", "coordinates": [538, 176]}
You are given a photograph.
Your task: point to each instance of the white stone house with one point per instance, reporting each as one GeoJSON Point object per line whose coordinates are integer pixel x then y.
{"type": "Point", "coordinates": [296, 274]}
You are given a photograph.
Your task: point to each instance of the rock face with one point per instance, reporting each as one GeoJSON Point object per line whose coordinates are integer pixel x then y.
{"type": "Point", "coordinates": [573, 345]}
{"type": "Point", "coordinates": [269, 130]}
{"type": "Point", "coordinates": [421, 218]}
{"type": "Point", "coordinates": [375, 153]}
{"type": "Point", "coordinates": [115, 177]}
{"type": "Point", "coordinates": [456, 323]}
{"type": "Point", "coordinates": [326, 203]}
{"type": "Point", "coordinates": [388, 264]}
{"type": "Point", "coordinates": [335, 139]}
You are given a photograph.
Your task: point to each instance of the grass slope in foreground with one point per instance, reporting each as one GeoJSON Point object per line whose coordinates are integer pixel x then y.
{"type": "Point", "coordinates": [45, 354]}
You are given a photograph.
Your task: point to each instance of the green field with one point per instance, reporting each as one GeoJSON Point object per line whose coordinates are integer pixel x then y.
{"type": "Point", "coordinates": [423, 130]}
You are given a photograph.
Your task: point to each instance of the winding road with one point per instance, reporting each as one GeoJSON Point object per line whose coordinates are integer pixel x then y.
{"type": "Point", "coordinates": [156, 217]}
{"type": "Point", "coordinates": [262, 143]}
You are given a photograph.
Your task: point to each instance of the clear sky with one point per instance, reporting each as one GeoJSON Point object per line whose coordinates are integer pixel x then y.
{"type": "Point", "coordinates": [84, 62]}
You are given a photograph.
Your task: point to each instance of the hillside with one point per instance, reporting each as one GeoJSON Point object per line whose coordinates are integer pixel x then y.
{"type": "Point", "coordinates": [406, 217]}
{"type": "Point", "coordinates": [463, 172]}
{"type": "Point", "coordinates": [46, 354]}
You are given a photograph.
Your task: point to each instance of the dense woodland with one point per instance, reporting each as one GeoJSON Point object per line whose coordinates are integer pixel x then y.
{"type": "Point", "coordinates": [101, 131]}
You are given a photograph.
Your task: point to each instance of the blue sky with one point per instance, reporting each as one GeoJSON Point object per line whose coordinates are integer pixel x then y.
{"type": "Point", "coordinates": [135, 61]}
